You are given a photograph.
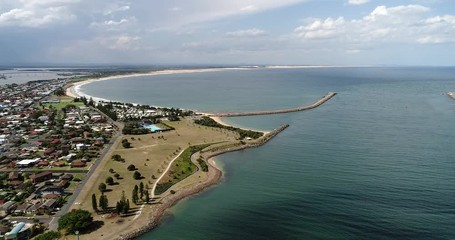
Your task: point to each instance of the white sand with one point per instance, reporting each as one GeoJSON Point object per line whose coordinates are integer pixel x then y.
{"type": "Point", "coordinates": [74, 90]}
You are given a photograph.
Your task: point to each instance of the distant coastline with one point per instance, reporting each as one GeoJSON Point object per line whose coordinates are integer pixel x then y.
{"type": "Point", "coordinates": [74, 89]}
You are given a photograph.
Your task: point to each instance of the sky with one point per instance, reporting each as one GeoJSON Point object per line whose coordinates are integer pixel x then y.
{"type": "Point", "coordinates": [237, 32]}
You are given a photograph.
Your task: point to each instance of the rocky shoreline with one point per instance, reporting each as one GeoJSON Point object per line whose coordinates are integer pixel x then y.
{"type": "Point", "coordinates": [214, 177]}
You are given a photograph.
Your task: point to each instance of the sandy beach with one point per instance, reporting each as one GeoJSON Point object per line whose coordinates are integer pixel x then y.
{"type": "Point", "coordinates": [74, 89]}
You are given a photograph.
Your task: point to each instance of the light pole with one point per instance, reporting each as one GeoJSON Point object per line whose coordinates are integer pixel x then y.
{"type": "Point", "coordinates": [77, 234]}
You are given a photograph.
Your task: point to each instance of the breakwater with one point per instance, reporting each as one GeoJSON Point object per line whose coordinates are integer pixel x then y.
{"type": "Point", "coordinates": [280, 111]}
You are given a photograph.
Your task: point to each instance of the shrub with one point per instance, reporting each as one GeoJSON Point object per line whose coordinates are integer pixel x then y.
{"type": "Point", "coordinates": [131, 167]}
{"type": "Point", "coordinates": [102, 187]}
{"type": "Point", "coordinates": [109, 181]}
{"type": "Point", "coordinates": [137, 175]}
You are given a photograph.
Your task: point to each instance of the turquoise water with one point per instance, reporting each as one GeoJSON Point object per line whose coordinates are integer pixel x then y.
{"type": "Point", "coordinates": [152, 127]}
{"type": "Point", "coordinates": [375, 162]}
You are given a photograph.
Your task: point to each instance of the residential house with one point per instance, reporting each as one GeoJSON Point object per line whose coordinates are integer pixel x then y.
{"type": "Point", "coordinates": [7, 208]}
{"type": "Point", "coordinates": [49, 205]}
{"type": "Point", "coordinates": [41, 177]}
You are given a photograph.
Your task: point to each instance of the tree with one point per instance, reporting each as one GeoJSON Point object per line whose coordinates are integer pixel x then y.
{"type": "Point", "coordinates": [131, 167]}
{"type": "Point", "coordinates": [51, 235]}
{"type": "Point", "coordinates": [134, 195]}
{"type": "Point", "coordinates": [94, 205]}
{"type": "Point", "coordinates": [117, 175]}
{"type": "Point", "coordinates": [102, 187]}
{"type": "Point", "coordinates": [117, 157]}
{"type": "Point", "coordinates": [104, 203]}
{"type": "Point", "coordinates": [141, 190]}
{"type": "Point", "coordinates": [123, 205]}
{"type": "Point", "coordinates": [147, 197]}
{"type": "Point", "coordinates": [109, 181]}
{"type": "Point", "coordinates": [137, 175]}
{"type": "Point", "coordinates": [75, 220]}
{"type": "Point", "coordinates": [126, 144]}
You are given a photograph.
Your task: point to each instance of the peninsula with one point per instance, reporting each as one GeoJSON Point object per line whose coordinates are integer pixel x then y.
{"type": "Point", "coordinates": [149, 158]}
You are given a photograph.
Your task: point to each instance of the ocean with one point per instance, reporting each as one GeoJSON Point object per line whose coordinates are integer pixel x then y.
{"type": "Point", "coordinates": [374, 162]}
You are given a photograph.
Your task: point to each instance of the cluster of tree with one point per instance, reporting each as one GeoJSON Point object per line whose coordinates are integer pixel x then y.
{"type": "Point", "coordinates": [51, 235]}
{"type": "Point", "coordinates": [203, 164]}
{"type": "Point", "coordinates": [108, 109]}
{"type": "Point", "coordinates": [140, 193]}
{"type": "Point", "coordinates": [134, 128]}
{"type": "Point", "coordinates": [206, 121]}
{"type": "Point", "coordinates": [177, 112]}
{"type": "Point", "coordinates": [59, 91]}
{"type": "Point", "coordinates": [103, 203]}
{"type": "Point", "coordinates": [126, 144]}
{"type": "Point", "coordinates": [122, 206]}
{"type": "Point", "coordinates": [86, 102]}
{"type": "Point", "coordinates": [77, 219]}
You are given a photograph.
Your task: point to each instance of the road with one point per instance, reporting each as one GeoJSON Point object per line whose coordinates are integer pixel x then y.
{"type": "Point", "coordinates": [71, 201]}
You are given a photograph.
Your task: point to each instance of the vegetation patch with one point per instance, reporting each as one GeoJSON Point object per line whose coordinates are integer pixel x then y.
{"type": "Point", "coordinates": [63, 104]}
{"type": "Point", "coordinates": [203, 164]}
{"type": "Point", "coordinates": [208, 122]}
{"type": "Point", "coordinates": [180, 169]}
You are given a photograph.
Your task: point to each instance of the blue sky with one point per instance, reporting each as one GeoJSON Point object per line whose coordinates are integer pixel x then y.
{"type": "Point", "coordinates": [284, 32]}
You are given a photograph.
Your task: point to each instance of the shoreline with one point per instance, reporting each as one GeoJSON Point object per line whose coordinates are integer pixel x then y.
{"type": "Point", "coordinates": [214, 177]}
{"type": "Point", "coordinates": [73, 90]}
{"type": "Point", "coordinates": [220, 121]}
{"type": "Point", "coordinates": [214, 174]}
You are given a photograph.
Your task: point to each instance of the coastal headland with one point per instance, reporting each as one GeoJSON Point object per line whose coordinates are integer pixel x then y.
{"type": "Point", "coordinates": [163, 158]}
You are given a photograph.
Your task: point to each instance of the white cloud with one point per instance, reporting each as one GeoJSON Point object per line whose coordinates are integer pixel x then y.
{"type": "Point", "coordinates": [321, 29]}
{"type": "Point", "coordinates": [113, 24]}
{"type": "Point", "coordinates": [122, 42]}
{"type": "Point", "coordinates": [400, 24]}
{"type": "Point", "coordinates": [201, 11]}
{"type": "Point", "coordinates": [116, 7]}
{"type": "Point", "coordinates": [254, 32]}
{"type": "Point", "coordinates": [36, 16]}
{"type": "Point", "coordinates": [175, 9]}
{"type": "Point", "coordinates": [248, 8]}
{"type": "Point", "coordinates": [358, 2]}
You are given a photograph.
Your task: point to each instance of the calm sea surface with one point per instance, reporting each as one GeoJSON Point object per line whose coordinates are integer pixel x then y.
{"type": "Point", "coordinates": [375, 162]}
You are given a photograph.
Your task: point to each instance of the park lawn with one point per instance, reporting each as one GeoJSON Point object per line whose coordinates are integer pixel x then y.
{"type": "Point", "coordinates": [63, 103]}
{"type": "Point", "coordinates": [181, 168]}
{"type": "Point", "coordinates": [151, 154]}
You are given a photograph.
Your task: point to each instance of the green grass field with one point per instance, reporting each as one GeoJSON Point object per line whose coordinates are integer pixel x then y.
{"type": "Point", "coordinates": [63, 103]}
